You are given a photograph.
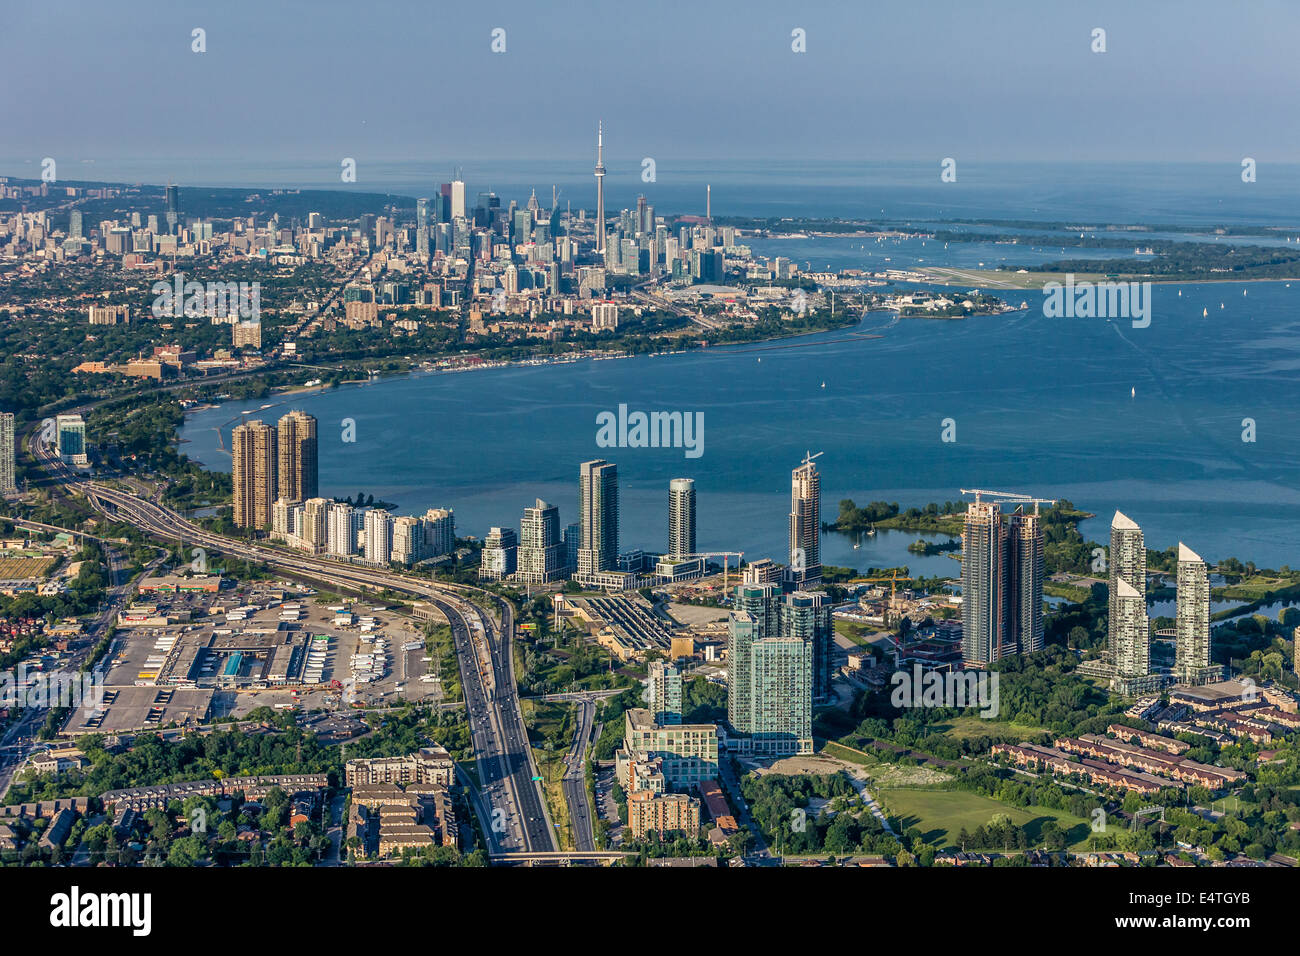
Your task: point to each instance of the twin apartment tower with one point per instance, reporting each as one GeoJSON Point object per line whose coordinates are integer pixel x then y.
{"type": "Point", "coordinates": [1001, 583]}
{"type": "Point", "coordinates": [1130, 627]}
{"type": "Point", "coordinates": [269, 463]}
{"type": "Point", "coordinates": [1002, 599]}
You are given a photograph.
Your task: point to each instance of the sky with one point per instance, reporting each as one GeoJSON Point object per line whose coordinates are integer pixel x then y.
{"type": "Point", "coordinates": [387, 80]}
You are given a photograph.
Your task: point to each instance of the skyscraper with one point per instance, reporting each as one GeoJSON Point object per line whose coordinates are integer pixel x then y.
{"type": "Point", "coordinates": [457, 199]}
{"type": "Point", "coordinates": [439, 532]}
{"type": "Point", "coordinates": [983, 584]}
{"type": "Point", "coordinates": [297, 462]}
{"type": "Point", "coordinates": [1130, 633]}
{"type": "Point", "coordinates": [805, 615]}
{"type": "Point", "coordinates": [315, 524]}
{"type": "Point", "coordinates": [805, 524]}
{"type": "Point", "coordinates": [681, 517]}
{"type": "Point", "coordinates": [1192, 623]}
{"type": "Point", "coordinates": [600, 187]}
{"type": "Point", "coordinates": [379, 536]}
{"type": "Point", "coordinates": [253, 467]}
{"type": "Point", "coordinates": [7, 482]}
{"type": "Point", "coordinates": [1002, 583]}
{"type": "Point", "coordinates": [664, 683]}
{"type": "Point", "coordinates": [173, 207]}
{"type": "Point", "coordinates": [598, 516]}
{"type": "Point", "coordinates": [1128, 562]}
{"type": "Point", "coordinates": [769, 688]}
{"type": "Point", "coordinates": [541, 552]}
{"type": "Point", "coordinates": [1025, 588]}
{"type": "Point", "coordinates": [500, 555]}
{"type": "Point", "coordinates": [408, 540]}
{"type": "Point", "coordinates": [341, 534]}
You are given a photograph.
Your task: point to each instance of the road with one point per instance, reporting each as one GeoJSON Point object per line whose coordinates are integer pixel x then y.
{"type": "Point", "coordinates": [17, 743]}
{"type": "Point", "coordinates": [484, 646]}
{"type": "Point", "coordinates": [575, 778]}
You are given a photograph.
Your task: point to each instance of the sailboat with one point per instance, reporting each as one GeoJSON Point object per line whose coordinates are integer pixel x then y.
{"type": "Point", "coordinates": [1180, 293]}
{"type": "Point", "coordinates": [823, 384]}
{"type": "Point", "coordinates": [1204, 313]}
{"type": "Point", "coordinates": [1132, 392]}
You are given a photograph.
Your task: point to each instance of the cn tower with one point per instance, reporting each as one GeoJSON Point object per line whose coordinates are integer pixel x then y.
{"type": "Point", "coordinates": [600, 187]}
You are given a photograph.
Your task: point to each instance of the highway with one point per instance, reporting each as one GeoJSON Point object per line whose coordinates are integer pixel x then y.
{"type": "Point", "coordinates": [483, 646]}
{"type": "Point", "coordinates": [575, 778]}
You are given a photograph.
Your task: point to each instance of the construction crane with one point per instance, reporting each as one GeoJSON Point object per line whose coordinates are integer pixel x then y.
{"type": "Point", "coordinates": [1008, 496]}
{"type": "Point", "coordinates": [724, 555]}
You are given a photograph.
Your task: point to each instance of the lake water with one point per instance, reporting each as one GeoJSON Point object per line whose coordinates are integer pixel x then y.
{"type": "Point", "coordinates": [1041, 406]}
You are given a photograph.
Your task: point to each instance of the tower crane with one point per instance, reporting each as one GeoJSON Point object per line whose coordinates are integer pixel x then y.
{"type": "Point", "coordinates": [724, 555]}
{"type": "Point", "coordinates": [1008, 496]}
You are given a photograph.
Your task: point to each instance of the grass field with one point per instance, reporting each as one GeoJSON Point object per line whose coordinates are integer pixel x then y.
{"type": "Point", "coordinates": [21, 569]}
{"type": "Point", "coordinates": [964, 728]}
{"type": "Point", "coordinates": [941, 815]}
{"type": "Point", "coordinates": [853, 632]}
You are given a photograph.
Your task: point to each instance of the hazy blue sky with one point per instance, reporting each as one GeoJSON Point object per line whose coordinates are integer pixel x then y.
{"type": "Point", "coordinates": [391, 80]}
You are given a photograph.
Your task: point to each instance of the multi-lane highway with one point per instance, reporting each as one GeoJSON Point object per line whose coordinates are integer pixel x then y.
{"type": "Point", "coordinates": [483, 645]}
{"type": "Point", "coordinates": [575, 777]}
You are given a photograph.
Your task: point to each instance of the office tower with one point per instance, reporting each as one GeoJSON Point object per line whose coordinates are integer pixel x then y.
{"type": "Point", "coordinates": [439, 532]}
{"type": "Point", "coordinates": [805, 615]}
{"type": "Point", "coordinates": [1192, 621]}
{"type": "Point", "coordinates": [297, 463]}
{"type": "Point", "coordinates": [315, 529]}
{"type": "Point", "coordinates": [253, 467]}
{"type": "Point", "coordinates": [1025, 588]}
{"type": "Point", "coordinates": [769, 692]}
{"type": "Point", "coordinates": [173, 208]}
{"type": "Point", "coordinates": [457, 199]}
{"type": "Point", "coordinates": [500, 557]}
{"type": "Point", "coordinates": [75, 228]}
{"type": "Point", "coordinates": [341, 535]}
{"type": "Point", "coordinates": [379, 536]}
{"type": "Point", "coordinates": [70, 436]}
{"type": "Point", "coordinates": [1128, 562]}
{"type": "Point", "coordinates": [681, 517]}
{"type": "Point", "coordinates": [664, 687]}
{"type": "Point", "coordinates": [600, 187]}
{"type": "Point", "coordinates": [1130, 634]}
{"type": "Point", "coordinates": [805, 524]}
{"type": "Point", "coordinates": [541, 552]}
{"type": "Point", "coordinates": [8, 485]}
{"type": "Point", "coordinates": [598, 513]}
{"type": "Point", "coordinates": [408, 540]}
{"type": "Point", "coordinates": [984, 582]}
